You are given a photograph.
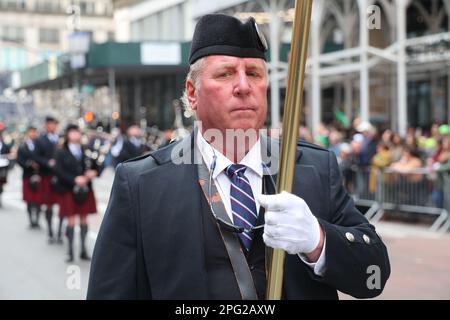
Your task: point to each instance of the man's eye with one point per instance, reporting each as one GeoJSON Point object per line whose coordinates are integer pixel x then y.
{"type": "Point", "coordinates": [224, 74]}
{"type": "Point", "coordinates": [253, 74]}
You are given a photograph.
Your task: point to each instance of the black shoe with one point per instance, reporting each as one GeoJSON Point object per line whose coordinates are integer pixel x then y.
{"type": "Point", "coordinates": [69, 258]}
{"type": "Point", "coordinates": [84, 256]}
{"type": "Point", "coordinates": [35, 225]}
{"type": "Point", "coordinates": [51, 240]}
{"type": "Point", "coordinates": [59, 241]}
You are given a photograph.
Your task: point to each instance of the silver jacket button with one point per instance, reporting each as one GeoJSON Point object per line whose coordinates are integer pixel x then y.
{"type": "Point", "coordinates": [350, 237]}
{"type": "Point", "coordinates": [366, 239]}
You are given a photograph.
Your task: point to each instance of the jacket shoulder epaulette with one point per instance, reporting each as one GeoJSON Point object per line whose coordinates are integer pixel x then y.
{"type": "Point", "coordinates": [305, 144]}
{"type": "Point", "coordinates": [138, 158]}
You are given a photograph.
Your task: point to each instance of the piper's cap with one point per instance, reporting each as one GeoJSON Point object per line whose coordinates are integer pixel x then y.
{"type": "Point", "coordinates": [71, 127]}
{"type": "Point", "coordinates": [220, 34]}
{"type": "Point", "coordinates": [50, 119]}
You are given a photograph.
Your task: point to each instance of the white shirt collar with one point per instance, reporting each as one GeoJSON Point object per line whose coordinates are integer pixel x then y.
{"type": "Point", "coordinates": [252, 159]}
{"type": "Point", "coordinates": [75, 149]}
{"type": "Point", "coordinates": [53, 137]}
{"type": "Point", "coordinates": [30, 144]}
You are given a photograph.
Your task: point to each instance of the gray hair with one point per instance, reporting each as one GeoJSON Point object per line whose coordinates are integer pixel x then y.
{"type": "Point", "coordinates": [193, 75]}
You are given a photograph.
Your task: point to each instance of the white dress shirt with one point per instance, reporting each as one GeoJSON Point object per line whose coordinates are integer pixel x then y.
{"type": "Point", "coordinates": [254, 174]}
{"type": "Point", "coordinates": [75, 149]}
{"type": "Point", "coordinates": [53, 137]}
{"type": "Point", "coordinates": [254, 171]}
{"type": "Point", "coordinates": [30, 144]}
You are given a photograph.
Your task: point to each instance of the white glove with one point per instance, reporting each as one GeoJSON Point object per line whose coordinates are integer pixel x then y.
{"type": "Point", "coordinates": [290, 225]}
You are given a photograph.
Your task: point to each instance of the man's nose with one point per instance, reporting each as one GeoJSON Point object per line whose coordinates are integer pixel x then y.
{"type": "Point", "coordinates": [242, 86]}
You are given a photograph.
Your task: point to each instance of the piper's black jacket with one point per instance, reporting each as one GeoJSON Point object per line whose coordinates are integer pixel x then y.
{"type": "Point", "coordinates": [150, 244]}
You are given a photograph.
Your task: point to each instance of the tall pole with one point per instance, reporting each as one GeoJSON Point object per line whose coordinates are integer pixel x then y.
{"type": "Point", "coordinates": [275, 61]}
{"type": "Point", "coordinates": [291, 123]}
{"type": "Point", "coordinates": [316, 109]}
{"type": "Point", "coordinates": [364, 71]}
{"type": "Point", "coordinates": [401, 67]}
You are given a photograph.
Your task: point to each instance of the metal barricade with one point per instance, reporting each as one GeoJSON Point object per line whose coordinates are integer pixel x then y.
{"type": "Point", "coordinates": [360, 183]}
{"type": "Point", "coordinates": [410, 192]}
{"type": "Point", "coordinates": [446, 198]}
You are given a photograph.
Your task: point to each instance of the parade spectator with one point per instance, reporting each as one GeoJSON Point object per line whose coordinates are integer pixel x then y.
{"type": "Point", "coordinates": [397, 147]}
{"type": "Point", "coordinates": [369, 143]}
{"type": "Point", "coordinates": [380, 160]}
{"type": "Point", "coordinates": [335, 140]}
{"type": "Point", "coordinates": [409, 161]}
{"type": "Point", "coordinates": [386, 137]}
{"type": "Point", "coordinates": [346, 164]}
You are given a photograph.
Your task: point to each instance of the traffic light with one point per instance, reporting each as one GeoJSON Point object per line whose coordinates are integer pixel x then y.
{"type": "Point", "coordinates": [88, 117]}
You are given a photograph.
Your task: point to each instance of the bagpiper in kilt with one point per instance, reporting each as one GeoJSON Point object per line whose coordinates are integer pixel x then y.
{"type": "Point", "coordinates": [30, 177]}
{"type": "Point", "coordinates": [75, 172]}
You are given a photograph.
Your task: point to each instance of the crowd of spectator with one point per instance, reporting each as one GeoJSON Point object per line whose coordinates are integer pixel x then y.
{"type": "Point", "coordinates": [366, 148]}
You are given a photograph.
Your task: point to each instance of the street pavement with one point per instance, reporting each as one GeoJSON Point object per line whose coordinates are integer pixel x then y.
{"type": "Point", "coordinates": [32, 269]}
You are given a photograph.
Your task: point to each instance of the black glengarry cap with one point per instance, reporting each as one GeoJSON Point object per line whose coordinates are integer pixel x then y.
{"type": "Point", "coordinates": [50, 119]}
{"type": "Point", "coordinates": [219, 34]}
{"type": "Point", "coordinates": [71, 127]}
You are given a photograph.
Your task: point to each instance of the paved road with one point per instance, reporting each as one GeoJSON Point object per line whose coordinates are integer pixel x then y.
{"type": "Point", "coordinates": [32, 269]}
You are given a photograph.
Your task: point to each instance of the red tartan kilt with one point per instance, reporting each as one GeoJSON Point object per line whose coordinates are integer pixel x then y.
{"type": "Point", "coordinates": [47, 195]}
{"type": "Point", "coordinates": [68, 207]}
{"type": "Point", "coordinates": [30, 195]}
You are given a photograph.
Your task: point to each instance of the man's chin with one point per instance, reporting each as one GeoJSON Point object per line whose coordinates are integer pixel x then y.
{"type": "Point", "coordinates": [245, 125]}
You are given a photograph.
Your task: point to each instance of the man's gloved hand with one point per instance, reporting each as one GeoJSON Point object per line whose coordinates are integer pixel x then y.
{"type": "Point", "coordinates": [290, 225]}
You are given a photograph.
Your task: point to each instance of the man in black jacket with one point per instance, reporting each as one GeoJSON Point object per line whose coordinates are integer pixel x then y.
{"type": "Point", "coordinates": [46, 146]}
{"type": "Point", "coordinates": [30, 178]}
{"type": "Point", "coordinates": [131, 146]}
{"type": "Point", "coordinates": [193, 220]}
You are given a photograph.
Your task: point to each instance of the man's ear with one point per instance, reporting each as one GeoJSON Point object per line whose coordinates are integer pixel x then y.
{"type": "Point", "coordinates": [191, 93]}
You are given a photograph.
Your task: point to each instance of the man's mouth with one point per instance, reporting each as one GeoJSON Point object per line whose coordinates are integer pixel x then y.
{"type": "Point", "coordinates": [244, 109]}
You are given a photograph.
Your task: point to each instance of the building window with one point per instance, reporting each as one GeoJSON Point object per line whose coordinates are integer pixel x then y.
{"type": "Point", "coordinates": [48, 6]}
{"type": "Point", "coordinates": [111, 36]}
{"type": "Point", "coordinates": [12, 59]}
{"type": "Point", "coordinates": [12, 33]}
{"type": "Point", "coordinates": [12, 4]}
{"type": "Point", "coordinates": [49, 36]}
{"type": "Point", "coordinates": [100, 9]}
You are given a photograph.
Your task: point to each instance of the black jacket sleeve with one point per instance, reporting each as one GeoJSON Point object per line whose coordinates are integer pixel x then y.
{"type": "Point", "coordinates": [23, 158]}
{"type": "Point", "coordinates": [113, 269]}
{"type": "Point", "coordinates": [39, 153]}
{"type": "Point", "coordinates": [350, 261]}
{"type": "Point", "coordinates": [65, 175]}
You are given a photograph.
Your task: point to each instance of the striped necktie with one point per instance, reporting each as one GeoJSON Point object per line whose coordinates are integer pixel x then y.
{"type": "Point", "coordinates": [243, 204]}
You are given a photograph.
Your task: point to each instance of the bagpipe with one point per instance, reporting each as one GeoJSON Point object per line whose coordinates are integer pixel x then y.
{"type": "Point", "coordinates": [94, 159]}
